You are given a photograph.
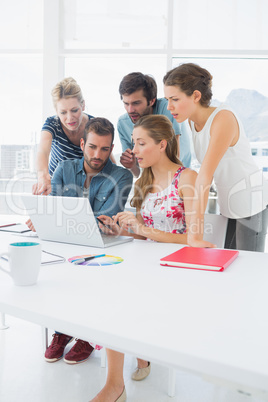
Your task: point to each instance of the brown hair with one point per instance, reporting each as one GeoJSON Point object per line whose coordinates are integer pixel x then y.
{"type": "Point", "coordinates": [190, 77]}
{"type": "Point", "coordinates": [159, 128]}
{"type": "Point", "coordinates": [67, 88]}
{"type": "Point", "coordinates": [100, 126]}
{"type": "Point", "coordinates": [136, 81]}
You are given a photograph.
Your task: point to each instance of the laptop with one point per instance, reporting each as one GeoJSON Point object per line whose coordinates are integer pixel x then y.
{"type": "Point", "coordinates": [67, 220]}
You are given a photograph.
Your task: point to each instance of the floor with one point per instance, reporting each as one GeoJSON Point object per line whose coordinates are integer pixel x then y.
{"type": "Point", "coordinates": [26, 377]}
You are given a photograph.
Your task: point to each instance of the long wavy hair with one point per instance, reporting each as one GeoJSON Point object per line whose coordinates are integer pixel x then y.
{"type": "Point", "coordinates": [159, 128]}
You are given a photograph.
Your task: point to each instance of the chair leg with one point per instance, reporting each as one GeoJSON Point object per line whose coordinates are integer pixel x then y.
{"type": "Point", "coordinates": [3, 322]}
{"type": "Point", "coordinates": [171, 381]}
{"type": "Point", "coordinates": [44, 338]}
{"type": "Point", "coordinates": [103, 357]}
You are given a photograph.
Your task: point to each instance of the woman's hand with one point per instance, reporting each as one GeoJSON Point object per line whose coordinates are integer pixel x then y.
{"type": "Point", "coordinates": [108, 225]}
{"type": "Point", "coordinates": [127, 220]}
{"type": "Point", "coordinates": [43, 186]}
{"type": "Point", "coordinates": [30, 225]}
{"type": "Point", "coordinates": [196, 241]}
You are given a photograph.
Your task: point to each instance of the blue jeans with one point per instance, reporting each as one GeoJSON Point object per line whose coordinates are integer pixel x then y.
{"type": "Point", "coordinates": [247, 233]}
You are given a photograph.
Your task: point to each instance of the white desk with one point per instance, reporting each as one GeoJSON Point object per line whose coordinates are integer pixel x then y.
{"type": "Point", "coordinates": [212, 323]}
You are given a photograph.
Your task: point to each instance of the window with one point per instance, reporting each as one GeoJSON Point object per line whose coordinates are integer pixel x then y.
{"type": "Point", "coordinates": [212, 26]}
{"type": "Point", "coordinates": [21, 76]}
{"type": "Point", "coordinates": [108, 25]}
{"type": "Point", "coordinates": [21, 25]}
{"type": "Point", "coordinates": [21, 98]}
{"type": "Point", "coordinates": [21, 80]}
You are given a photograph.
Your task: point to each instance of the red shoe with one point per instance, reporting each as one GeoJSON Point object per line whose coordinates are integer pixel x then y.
{"type": "Point", "coordinates": [79, 353]}
{"type": "Point", "coordinates": [55, 351]}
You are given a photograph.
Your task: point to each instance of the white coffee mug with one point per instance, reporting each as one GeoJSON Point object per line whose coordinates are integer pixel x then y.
{"type": "Point", "coordinates": [24, 262]}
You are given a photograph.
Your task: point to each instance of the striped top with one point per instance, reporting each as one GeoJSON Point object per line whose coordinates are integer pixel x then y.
{"type": "Point", "coordinates": [61, 148]}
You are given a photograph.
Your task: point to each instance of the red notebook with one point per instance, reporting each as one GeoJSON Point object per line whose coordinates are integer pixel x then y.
{"type": "Point", "coordinates": [209, 259]}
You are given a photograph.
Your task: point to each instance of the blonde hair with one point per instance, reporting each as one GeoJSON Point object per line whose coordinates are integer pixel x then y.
{"type": "Point", "coordinates": [67, 88]}
{"type": "Point", "coordinates": [159, 128]}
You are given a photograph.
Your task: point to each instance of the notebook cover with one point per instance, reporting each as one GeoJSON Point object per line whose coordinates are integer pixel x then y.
{"type": "Point", "coordinates": [208, 257]}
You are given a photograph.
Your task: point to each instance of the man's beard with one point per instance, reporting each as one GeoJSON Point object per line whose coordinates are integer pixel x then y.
{"type": "Point", "coordinates": [146, 112]}
{"type": "Point", "coordinates": [94, 167]}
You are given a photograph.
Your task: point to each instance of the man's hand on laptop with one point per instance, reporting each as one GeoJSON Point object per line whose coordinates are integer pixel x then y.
{"type": "Point", "coordinates": [30, 225]}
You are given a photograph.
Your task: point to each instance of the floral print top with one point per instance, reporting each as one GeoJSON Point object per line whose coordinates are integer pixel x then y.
{"type": "Point", "coordinates": [165, 210]}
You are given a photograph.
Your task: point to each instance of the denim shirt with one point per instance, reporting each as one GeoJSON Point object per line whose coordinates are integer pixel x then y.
{"type": "Point", "coordinates": [108, 190]}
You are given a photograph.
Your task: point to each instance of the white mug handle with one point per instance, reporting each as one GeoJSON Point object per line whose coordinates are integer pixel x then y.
{"type": "Point", "coordinates": [2, 269]}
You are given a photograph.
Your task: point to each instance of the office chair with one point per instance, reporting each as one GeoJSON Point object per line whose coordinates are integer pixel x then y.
{"type": "Point", "coordinates": [3, 321]}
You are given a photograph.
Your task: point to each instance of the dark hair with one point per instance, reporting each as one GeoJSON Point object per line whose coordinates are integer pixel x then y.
{"type": "Point", "coordinates": [159, 128]}
{"type": "Point", "coordinates": [190, 77]}
{"type": "Point", "coordinates": [136, 81]}
{"type": "Point", "coordinates": [100, 126]}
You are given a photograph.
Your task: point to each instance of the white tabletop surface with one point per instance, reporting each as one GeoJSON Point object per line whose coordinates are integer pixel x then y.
{"type": "Point", "coordinates": [212, 323]}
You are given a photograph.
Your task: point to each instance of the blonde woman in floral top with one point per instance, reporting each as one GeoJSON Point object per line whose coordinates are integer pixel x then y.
{"type": "Point", "coordinates": [163, 200]}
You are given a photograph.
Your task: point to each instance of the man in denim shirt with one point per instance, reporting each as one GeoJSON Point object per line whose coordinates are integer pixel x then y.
{"type": "Point", "coordinates": [94, 176]}
{"type": "Point", "coordinates": [139, 95]}
{"type": "Point", "coordinates": [107, 186]}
